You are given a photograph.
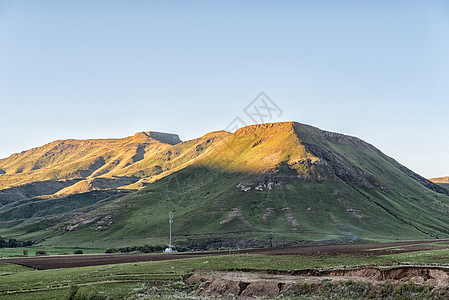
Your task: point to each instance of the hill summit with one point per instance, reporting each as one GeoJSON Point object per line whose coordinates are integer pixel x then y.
{"type": "Point", "coordinates": [264, 185]}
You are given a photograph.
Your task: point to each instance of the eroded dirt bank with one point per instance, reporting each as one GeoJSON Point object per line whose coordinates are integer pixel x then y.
{"type": "Point", "coordinates": [250, 283]}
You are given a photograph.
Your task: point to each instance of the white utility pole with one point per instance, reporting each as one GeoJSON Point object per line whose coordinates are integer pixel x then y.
{"type": "Point", "coordinates": [169, 249]}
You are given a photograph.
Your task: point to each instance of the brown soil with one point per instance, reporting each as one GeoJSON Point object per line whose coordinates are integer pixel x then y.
{"type": "Point", "coordinates": [70, 261]}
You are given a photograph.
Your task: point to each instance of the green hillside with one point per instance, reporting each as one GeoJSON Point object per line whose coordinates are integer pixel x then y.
{"type": "Point", "coordinates": [265, 185]}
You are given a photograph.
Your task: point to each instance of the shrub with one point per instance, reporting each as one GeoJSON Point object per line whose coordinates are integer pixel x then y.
{"type": "Point", "coordinates": [78, 252]}
{"type": "Point", "coordinates": [305, 288]}
{"type": "Point", "coordinates": [73, 290]}
{"type": "Point", "coordinates": [413, 291]}
{"type": "Point", "coordinates": [387, 289]}
{"type": "Point", "coordinates": [74, 293]}
{"type": "Point", "coordinates": [40, 252]}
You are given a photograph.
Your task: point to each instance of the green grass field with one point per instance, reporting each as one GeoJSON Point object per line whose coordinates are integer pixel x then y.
{"type": "Point", "coordinates": [8, 252]}
{"type": "Point", "coordinates": [125, 280]}
{"type": "Point", "coordinates": [7, 269]}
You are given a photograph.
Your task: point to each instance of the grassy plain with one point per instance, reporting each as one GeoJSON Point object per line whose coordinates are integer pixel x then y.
{"type": "Point", "coordinates": [164, 278]}
{"type": "Point", "coordinates": [8, 252]}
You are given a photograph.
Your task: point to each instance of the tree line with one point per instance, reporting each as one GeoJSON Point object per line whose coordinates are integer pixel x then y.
{"type": "Point", "coordinates": [13, 243]}
{"type": "Point", "coordinates": [143, 249]}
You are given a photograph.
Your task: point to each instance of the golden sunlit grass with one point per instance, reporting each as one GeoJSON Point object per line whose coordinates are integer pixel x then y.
{"type": "Point", "coordinates": [138, 156]}
{"type": "Point", "coordinates": [440, 180]}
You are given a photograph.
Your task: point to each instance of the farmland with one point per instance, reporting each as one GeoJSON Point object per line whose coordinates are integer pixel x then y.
{"type": "Point", "coordinates": [167, 278]}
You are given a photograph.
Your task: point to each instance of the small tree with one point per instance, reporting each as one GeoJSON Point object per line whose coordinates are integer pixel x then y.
{"type": "Point", "coordinates": [25, 252]}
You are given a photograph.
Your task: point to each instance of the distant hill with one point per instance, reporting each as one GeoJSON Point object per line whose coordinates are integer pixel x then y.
{"type": "Point", "coordinates": [264, 185]}
{"type": "Point", "coordinates": [440, 180]}
{"type": "Point", "coordinates": [443, 181]}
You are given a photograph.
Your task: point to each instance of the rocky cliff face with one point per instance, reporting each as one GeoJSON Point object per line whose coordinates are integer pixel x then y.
{"type": "Point", "coordinates": [168, 138]}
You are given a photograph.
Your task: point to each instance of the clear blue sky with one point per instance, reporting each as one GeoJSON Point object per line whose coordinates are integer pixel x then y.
{"type": "Point", "coordinates": [378, 70]}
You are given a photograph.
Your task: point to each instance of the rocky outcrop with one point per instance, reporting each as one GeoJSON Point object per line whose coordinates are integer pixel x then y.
{"type": "Point", "coordinates": [167, 138]}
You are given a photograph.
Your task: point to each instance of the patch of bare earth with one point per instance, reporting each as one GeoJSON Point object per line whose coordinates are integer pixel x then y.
{"type": "Point", "coordinates": [290, 218]}
{"type": "Point", "coordinates": [235, 214]}
{"type": "Point", "coordinates": [268, 214]}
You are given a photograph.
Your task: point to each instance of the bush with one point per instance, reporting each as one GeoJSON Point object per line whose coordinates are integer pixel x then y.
{"type": "Point", "coordinates": [74, 293]}
{"type": "Point", "coordinates": [40, 252]}
{"type": "Point", "coordinates": [25, 252]}
{"type": "Point", "coordinates": [78, 252]}
{"type": "Point", "coordinates": [73, 290]}
{"type": "Point", "coordinates": [387, 289]}
{"type": "Point", "coordinates": [305, 288]}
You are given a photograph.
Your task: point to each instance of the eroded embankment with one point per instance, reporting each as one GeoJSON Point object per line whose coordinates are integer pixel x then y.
{"type": "Point", "coordinates": [272, 283]}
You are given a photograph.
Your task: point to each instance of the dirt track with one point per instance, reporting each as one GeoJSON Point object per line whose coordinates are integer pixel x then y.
{"type": "Point", "coordinates": [70, 261]}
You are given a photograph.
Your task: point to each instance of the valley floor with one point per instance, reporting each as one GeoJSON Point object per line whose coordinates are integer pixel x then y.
{"type": "Point", "coordinates": [403, 270]}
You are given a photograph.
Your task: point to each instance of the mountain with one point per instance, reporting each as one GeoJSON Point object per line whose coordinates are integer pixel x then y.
{"type": "Point", "coordinates": [264, 185]}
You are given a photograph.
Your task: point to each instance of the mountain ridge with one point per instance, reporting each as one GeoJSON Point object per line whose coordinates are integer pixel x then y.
{"type": "Point", "coordinates": [93, 157]}
{"type": "Point", "coordinates": [440, 179]}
